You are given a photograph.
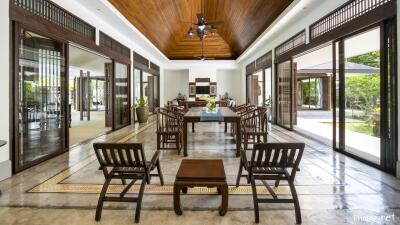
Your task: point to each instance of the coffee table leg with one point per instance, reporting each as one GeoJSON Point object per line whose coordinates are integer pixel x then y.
{"type": "Point", "coordinates": [185, 138]}
{"type": "Point", "coordinates": [225, 196]}
{"type": "Point", "coordinates": [177, 200]}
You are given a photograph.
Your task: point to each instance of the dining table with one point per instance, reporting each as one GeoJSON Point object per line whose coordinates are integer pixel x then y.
{"type": "Point", "coordinates": [220, 114]}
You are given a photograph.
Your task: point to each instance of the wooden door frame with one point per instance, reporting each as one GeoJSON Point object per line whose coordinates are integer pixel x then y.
{"type": "Point", "coordinates": [292, 92]}
{"type": "Point", "coordinates": [16, 28]}
{"type": "Point", "coordinates": [383, 96]}
{"type": "Point", "coordinates": [114, 127]}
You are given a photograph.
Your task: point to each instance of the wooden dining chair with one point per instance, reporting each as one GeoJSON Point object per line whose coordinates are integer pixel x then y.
{"type": "Point", "coordinates": [125, 161]}
{"type": "Point", "coordinates": [272, 162]}
{"type": "Point", "coordinates": [254, 125]}
{"type": "Point", "coordinates": [169, 129]}
{"type": "Point", "coordinates": [241, 111]}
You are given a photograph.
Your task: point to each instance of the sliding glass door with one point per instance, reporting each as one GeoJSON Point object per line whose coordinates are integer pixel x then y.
{"type": "Point", "coordinates": [285, 98]}
{"type": "Point", "coordinates": [147, 86]}
{"type": "Point", "coordinates": [40, 88]}
{"type": "Point", "coordinates": [121, 95]}
{"type": "Point", "coordinates": [363, 88]}
{"type": "Point", "coordinates": [259, 87]}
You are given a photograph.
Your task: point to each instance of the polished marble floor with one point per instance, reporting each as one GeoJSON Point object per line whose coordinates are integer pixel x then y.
{"type": "Point", "coordinates": [333, 189]}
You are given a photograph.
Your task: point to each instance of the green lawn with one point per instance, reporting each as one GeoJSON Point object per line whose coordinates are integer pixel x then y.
{"type": "Point", "coordinates": [360, 127]}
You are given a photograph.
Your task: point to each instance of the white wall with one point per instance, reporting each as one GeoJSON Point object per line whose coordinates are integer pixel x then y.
{"type": "Point", "coordinates": [230, 81]}
{"type": "Point", "coordinates": [175, 81]}
{"type": "Point", "coordinates": [5, 163]}
{"type": "Point", "coordinates": [203, 72]}
{"type": "Point", "coordinates": [200, 69]}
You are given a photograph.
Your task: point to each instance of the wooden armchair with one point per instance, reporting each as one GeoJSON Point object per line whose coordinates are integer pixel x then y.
{"type": "Point", "coordinates": [125, 161]}
{"type": "Point", "coordinates": [169, 130]}
{"type": "Point", "coordinates": [255, 126]}
{"type": "Point", "coordinates": [272, 161]}
{"type": "Point", "coordinates": [241, 111]}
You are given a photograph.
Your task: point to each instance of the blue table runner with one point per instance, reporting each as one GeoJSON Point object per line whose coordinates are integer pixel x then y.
{"type": "Point", "coordinates": [211, 117]}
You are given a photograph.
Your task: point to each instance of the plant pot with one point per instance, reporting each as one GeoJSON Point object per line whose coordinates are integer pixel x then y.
{"type": "Point", "coordinates": [142, 114]}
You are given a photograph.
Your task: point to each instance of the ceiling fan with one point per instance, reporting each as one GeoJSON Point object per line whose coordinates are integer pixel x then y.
{"type": "Point", "coordinates": [202, 27]}
{"type": "Point", "coordinates": [203, 57]}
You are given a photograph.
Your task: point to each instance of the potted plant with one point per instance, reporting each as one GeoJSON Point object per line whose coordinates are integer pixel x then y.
{"type": "Point", "coordinates": [142, 110]}
{"type": "Point", "coordinates": [268, 103]}
{"type": "Point", "coordinates": [211, 105]}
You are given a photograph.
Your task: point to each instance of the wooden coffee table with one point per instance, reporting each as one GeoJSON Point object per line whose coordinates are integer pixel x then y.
{"type": "Point", "coordinates": [201, 173]}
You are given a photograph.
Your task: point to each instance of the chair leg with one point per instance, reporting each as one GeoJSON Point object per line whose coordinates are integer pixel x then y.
{"type": "Point", "coordinates": [101, 199]}
{"type": "Point", "coordinates": [139, 200]}
{"type": "Point", "coordinates": [246, 141]}
{"type": "Point", "coordinates": [255, 199]}
{"type": "Point", "coordinates": [296, 202]}
{"type": "Point", "coordinates": [158, 141]}
{"type": "Point", "coordinates": [239, 173]}
{"type": "Point", "coordinates": [160, 172]}
{"type": "Point", "coordinates": [277, 183]}
{"type": "Point", "coordinates": [178, 143]}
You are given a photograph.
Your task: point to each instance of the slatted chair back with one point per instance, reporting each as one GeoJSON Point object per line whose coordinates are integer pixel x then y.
{"type": "Point", "coordinates": [256, 118]}
{"type": "Point", "coordinates": [167, 120]}
{"type": "Point", "coordinates": [277, 155]}
{"type": "Point", "coordinates": [245, 110]}
{"type": "Point", "coordinates": [240, 107]}
{"type": "Point", "coordinates": [177, 109]}
{"type": "Point", "coordinates": [120, 155]}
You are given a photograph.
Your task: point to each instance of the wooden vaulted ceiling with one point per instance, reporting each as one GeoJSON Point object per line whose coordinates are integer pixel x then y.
{"type": "Point", "coordinates": [160, 22]}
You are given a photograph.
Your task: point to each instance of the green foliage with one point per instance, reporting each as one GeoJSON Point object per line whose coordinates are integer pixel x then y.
{"type": "Point", "coordinates": [359, 127]}
{"type": "Point", "coordinates": [141, 102]}
{"type": "Point", "coordinates": [363, 91]}
{"type": "Point", "coordinates": [309, 93]}
{"type": "Point", "coordinates": [268, 102]}
{"type": "Point", "coordinates": [31, 93]}
{"type": "Point", "coordinates": [369, 59]}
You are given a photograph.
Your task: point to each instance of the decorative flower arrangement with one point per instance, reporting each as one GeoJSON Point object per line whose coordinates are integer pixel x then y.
{"type": "Point", "coordinates": [211, 105]}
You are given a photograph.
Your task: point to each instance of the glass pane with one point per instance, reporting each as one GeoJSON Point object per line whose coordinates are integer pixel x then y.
{"type": "Point", "coordinates": [255, 88]}
{"type": "Point", "coordinates": [284, 94]}
{"type": "Point", "coordinates": [136, 86]}
{"type": "Point", "coordinates": [362, 95]}
{"type": "Point", "coordinates": [156, 99]}
{"type": "Point", "coordinates": [268, 85]}
{"type": "Point", "coordinates": [150, 90]}
{"type": "Point", "coordinates": [122, 107]}
{"type": "Point", "coordinates": [41, 82]}
{"type": "Point", "coordinates": [268, 89]}
{"type": "Point", "coordinates": [337, 102]}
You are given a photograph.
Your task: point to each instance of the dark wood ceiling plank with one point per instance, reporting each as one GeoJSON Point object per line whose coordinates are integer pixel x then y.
{"type": "Point", "coordinates": [159, 21]}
